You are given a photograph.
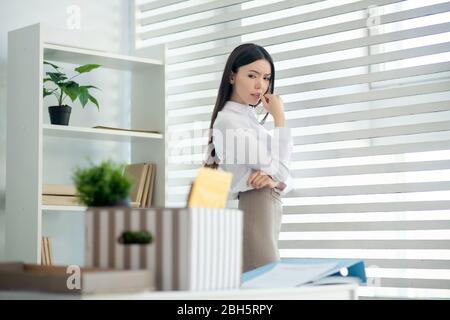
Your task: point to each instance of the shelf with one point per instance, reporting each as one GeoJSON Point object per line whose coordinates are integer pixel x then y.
{"type": "Point", "coordinates": [34, 147]}
{"type": "Point", "coordinates": [97, 134]}
{"type": "Point", "coordinates": [108, 60]}
{"type": "Point", "coordinates": [63, 208]}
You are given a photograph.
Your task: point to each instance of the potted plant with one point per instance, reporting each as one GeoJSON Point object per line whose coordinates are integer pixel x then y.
{"type": "Point", "coordinates": [102, 185]}
{"type": "Point", "coordinates": [66, 87]}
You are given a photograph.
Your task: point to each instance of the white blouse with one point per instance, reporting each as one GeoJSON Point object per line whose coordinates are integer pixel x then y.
{"type": "Point", "coordinates": [242, 145]}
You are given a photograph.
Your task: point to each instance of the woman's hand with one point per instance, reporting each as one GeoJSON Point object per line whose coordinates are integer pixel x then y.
{"type": "Point", "coordinates": [274, 105]}
{"type": "Point", "coordinates": [259, 179]}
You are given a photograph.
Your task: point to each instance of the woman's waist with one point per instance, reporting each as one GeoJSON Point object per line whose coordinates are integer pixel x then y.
{"type": "Point", "coordinates": [267, 190]}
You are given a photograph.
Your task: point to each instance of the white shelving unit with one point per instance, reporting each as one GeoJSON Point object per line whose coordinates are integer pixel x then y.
{"type": "Point", "coordinates": [27, 131]}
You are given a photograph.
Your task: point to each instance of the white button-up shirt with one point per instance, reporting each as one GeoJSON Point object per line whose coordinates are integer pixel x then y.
{"type": "Point", "coordinates": [242, 145]}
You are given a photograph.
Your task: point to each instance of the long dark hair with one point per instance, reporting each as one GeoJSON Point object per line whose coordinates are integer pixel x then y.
{"type": "Point", "coordinates": [242, 55]}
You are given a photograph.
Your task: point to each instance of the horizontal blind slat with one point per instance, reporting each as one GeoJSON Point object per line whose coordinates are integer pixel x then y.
{"type": "Point", "coordinates": [366, 226]}
{"type": "Point", "coordinates": [363, 244]}
{"type": "Point", "coordinates": [156, 4]}
{"type": "Point", "coordinates": [369, 207]}
{"type": "Point", "coordinates": [414, 283]}
{"type": "Point", "coordinates": [420, 264]}
{"type": "Point", "coordinates": [371, 151]}
{"type": "Point", "coordinates": [373, 133]}
{"type": "Point", "coordinates": [371, 169]}
{"type": "Point", "coordinates": [400, 293]}
{"type": "Point", "coordinates": [369, 189]}
{"type": "Point", "coordinates": [437, 235]}
{"type": "Point", "coordinates": [403, 254]}
{"type": "Point", "coordinates": [408, 273]}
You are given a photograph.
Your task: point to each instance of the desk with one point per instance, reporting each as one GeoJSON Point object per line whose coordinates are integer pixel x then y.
{"type": "Point", "coordinates": [326, 292]}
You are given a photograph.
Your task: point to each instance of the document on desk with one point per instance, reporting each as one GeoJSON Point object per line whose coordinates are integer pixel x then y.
{"type": "Point", "coordinates": [289, 275]}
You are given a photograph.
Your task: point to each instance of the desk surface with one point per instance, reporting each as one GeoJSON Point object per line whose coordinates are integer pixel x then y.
{"type": "Point", "coordinates": [325, 292]}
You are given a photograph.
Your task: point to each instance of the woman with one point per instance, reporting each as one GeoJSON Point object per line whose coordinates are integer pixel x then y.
{"type": "Point", "coordinates": [260, 165]}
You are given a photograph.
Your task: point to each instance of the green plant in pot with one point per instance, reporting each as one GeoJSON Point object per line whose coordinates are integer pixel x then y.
{"type": "Point", "coordinates": [102, 185]}
{"type": "Point", "coordinates": [64, 87]}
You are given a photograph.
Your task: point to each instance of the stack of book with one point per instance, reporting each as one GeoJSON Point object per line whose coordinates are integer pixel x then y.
{"type": "Point", "coordinates": [59, 195]}
{"type": "Point", "coordinates": [143, 177]}
{"type": "Point", "coordinates": [46, 252]}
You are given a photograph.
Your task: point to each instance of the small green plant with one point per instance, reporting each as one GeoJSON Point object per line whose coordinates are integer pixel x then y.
{"type": "Point", "coordinates": [136, 237]}
{"type": "Point", "coordinates": [66, 87]}
{"type": "Point", "coordinates": [102, 185]}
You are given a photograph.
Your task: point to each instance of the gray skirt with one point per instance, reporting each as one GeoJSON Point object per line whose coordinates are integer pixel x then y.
{"type": "Point", "coordinates": [262, 222]}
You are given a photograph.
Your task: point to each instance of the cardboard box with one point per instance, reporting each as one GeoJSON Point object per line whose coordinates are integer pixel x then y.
{"type": "Point", "coordinates": [72, 279]}
{"type": "Point", "coordinates": [192, 248]}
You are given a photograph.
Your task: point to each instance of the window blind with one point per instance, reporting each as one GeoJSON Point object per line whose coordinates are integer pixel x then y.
{"type": "Point", "coordinates": [366, 89]}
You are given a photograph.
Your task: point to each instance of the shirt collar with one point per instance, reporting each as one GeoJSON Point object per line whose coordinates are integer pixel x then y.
{"type": "Point", "coordinates": [240, 108]}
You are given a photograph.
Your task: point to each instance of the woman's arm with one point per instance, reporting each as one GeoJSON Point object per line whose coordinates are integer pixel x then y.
{"type": "Point", "coordinates": [277, 163]}
{"type": "Point", "coordinates": [259, 179]}
{"type": "Point", "coordinates": [237, 144]}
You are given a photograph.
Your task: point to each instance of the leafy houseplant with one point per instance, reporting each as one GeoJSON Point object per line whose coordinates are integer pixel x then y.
{"type": "Point", "coordinates": [102, 185]}
{"type": "Point", "coordinates": [65, 87]}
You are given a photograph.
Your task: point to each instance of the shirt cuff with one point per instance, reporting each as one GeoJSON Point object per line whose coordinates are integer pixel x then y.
{"type": "Point", "coordinates": [286, 186]}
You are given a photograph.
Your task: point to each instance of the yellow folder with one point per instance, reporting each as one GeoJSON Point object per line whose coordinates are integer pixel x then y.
{"type": "Point", "coordinates": [210, 189]}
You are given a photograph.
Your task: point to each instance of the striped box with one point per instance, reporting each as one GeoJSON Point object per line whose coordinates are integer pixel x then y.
{"type": "Point", "coordinates": [192, 248]}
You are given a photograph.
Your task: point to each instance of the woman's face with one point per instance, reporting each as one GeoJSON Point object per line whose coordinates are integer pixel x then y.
{"type": "Point", "coordinates": [251, 82]}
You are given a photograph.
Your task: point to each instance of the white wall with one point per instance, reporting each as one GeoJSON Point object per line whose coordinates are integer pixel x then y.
{"type": "Point", "coordinates": [104, 25]}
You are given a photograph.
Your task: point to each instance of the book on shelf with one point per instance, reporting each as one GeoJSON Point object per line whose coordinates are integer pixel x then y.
{"type": "Point", "coordinates": [58, 200]}
{"type": "Point", "coordinates": [43, 252]}
{"type": "Point", "coordinates": [147, 198]}
{"type": "Point", "coordinates": [59, 189]}
{"type": "Point", "coordinates": [143, 176]}
{"type": "Point", "coordinates": [122, 129]}
{"type": "Point", "coordinates": [135, 204]}
{"type": "Point", "coordinates": [152, 185]}
{"type": "Point", "coordinates": [137, 172]}
{"type": "Point", "coordinates": [146, 186]}
{"type": "Point", "coordinates": [46, 251]}
{"type": "Point", "coordinates": [293, 272]}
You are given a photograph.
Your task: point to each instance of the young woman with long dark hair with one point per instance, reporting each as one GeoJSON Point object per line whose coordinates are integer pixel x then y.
{"type": "Point", "coordinates": [260, 161]}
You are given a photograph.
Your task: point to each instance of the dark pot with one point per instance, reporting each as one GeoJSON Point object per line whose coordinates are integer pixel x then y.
{"type": "Point", "coordinates": [59, 114]}
{"type": "Point", "coordinates": [121, 203]}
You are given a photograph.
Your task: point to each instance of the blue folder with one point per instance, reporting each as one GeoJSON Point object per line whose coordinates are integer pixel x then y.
{"type": "Point", "coordinates": [354, 268]}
